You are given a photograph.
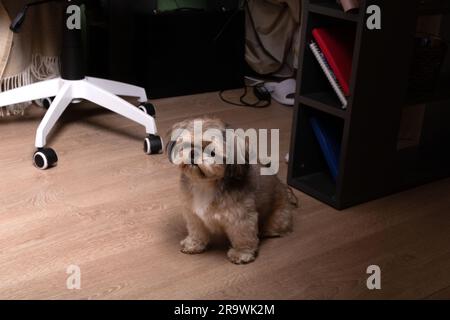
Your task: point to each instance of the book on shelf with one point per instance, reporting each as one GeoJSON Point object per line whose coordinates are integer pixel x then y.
{"type": "Point", "coordinates": [329, 73]}
{"type": "Point", "coordinates": [328, 135]}
{"type": "Point", "coordinates": [333, 48]}
{"type": "Point", "coordinates": [337, 43]}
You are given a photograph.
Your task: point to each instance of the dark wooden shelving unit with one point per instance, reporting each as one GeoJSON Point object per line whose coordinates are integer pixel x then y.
{"type": "Point", "coordinates": [331, 9]}
{"type": "Point", "coordinates": [323, 103]}
{"type": "Point", "coordinates": [371, 163]}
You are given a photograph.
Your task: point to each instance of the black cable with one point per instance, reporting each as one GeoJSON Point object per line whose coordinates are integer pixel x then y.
{"type": "Point", "coordinates": [243, 103]}
{"type": "Point", "coordinates": [226, 25]}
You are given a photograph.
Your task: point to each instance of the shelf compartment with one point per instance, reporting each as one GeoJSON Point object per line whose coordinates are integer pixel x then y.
{"type": "Point", "coordinates": [421, 165]}
{"type": "Point", "coordinates": [315, 88]}
{"type": "Point", "coordinates": [318, 185]}
{"type": "Point", "coordinates": [440, 94]}
{"type": "Point", "coordinates": [411, 124]}
{"type": "Point", "coordinates": [310, 172]}
{"type": "Point", "coordinates": [332, 9]}
{"type": "Point", "coordinates": [433, 7]}
{"type": "Point", "coordinates": [324, 101]}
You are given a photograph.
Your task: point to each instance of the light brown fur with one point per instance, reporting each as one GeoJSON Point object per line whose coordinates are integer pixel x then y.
{"type": "Point", "coordinates": [232, 199]}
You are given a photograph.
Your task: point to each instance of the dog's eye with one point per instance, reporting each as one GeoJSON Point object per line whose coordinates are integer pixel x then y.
{"type": "Point", "coordinates": [213, 154]}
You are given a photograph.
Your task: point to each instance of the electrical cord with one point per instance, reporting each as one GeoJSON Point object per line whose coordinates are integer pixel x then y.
{"type": "Point", "coordinates": [226, 25]}
{"type": "Point", "coordinates": [243, 102]}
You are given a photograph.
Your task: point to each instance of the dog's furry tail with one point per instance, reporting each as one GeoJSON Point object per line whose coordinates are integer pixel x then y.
{"type": "Point", "coordinates": [292, 198]}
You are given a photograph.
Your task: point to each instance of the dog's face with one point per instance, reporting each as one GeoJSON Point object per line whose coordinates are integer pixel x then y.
{"type": "Point", "coordinates": [198, 148]}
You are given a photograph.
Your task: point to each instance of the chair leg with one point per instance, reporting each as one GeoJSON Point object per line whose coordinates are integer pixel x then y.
{"type": "Point", "coordinates": [31, 92]}
{"type": "Point", "coordinates": [119, 88]}
{"type": "Point", "coordinates": [58, 106]}
{"type": "Point", "coordinates": [118, 105]}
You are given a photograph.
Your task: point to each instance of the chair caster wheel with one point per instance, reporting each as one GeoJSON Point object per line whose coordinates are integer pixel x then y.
{"type": "Point", "coordinates": [153, 144]}
{"type": "Point", "coordinates": [45, 158]}
{"type": "Point", "coordinates": [148, 108]}
{"type": "Point", "coordinates": [45, 103]}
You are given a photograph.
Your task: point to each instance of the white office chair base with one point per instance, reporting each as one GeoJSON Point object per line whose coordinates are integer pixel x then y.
{"type": "Point", "coordinates": [104, 93]}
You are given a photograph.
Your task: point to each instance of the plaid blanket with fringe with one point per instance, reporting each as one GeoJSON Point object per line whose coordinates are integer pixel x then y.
{"type": "Point", "coordinates": [31, 55]}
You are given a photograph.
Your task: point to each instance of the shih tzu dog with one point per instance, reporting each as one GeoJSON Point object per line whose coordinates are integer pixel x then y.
{"type": "Point", "coordinates": [223, 196]}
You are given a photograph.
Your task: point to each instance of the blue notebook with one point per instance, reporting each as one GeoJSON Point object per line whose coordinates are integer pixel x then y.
{"type": "Point", "coordinates": [328, 137]}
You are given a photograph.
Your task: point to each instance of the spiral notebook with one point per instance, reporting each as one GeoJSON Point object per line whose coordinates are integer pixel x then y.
{"type": "Point", "coordinates": [337, 45]}
{"type": "Point", "coordinates": [320, 57]}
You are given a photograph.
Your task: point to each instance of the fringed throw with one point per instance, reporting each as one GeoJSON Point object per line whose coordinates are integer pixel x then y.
{"type": "Point", "coordinates": [41, 69]}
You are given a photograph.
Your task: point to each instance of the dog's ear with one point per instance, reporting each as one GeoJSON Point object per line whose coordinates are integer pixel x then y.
{"type": "Point", "coordinates": [177, 126]}
{"type": "Point", "coordinates": [236, 172]}
{"type": "Point", "coordinates": [173, 133]}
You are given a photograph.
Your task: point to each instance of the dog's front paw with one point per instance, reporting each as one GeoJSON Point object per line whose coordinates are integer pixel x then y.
{"type": "Point", "coordinates": [192, 246]}
{"type": "Point", "coordinates": [241, 256]}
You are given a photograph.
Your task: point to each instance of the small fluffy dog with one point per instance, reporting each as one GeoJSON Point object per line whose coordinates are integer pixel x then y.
{"type": "Point", "coordinates": [234, 199]}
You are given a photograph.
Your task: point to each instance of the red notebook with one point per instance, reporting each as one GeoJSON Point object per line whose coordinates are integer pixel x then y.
{"type": "Point", "coordinates": [337, 45]}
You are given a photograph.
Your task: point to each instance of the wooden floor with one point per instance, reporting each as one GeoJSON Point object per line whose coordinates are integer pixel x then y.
{"type": "Point", "coordinates": [115, 213]}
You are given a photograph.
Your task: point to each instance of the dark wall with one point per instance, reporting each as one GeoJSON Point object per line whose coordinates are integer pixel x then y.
{"type": "Point", "coordinates": [189, 52]}
{"type": "Point", "coordinates": [445, 31]}
{"type": "Point", "coordinates": [121, 27]}
{"type": "Point", "coordinates": [172, 53]}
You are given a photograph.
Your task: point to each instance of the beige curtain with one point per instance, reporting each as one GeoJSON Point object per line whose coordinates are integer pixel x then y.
{"type": "Point", "coordinates": [32, 54]}
{"type": "Point", "coordinates": [277, 24]}
{"type": "Point", "coordinates": [6, 38]}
